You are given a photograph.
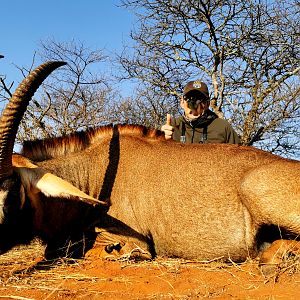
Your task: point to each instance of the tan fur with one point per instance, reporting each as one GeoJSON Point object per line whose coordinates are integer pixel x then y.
{"type": "Point", "coordinates": [190, 201]}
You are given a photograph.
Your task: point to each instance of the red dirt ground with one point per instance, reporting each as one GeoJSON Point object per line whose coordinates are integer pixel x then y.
{"type": "Point", "coordinates": [159, 279]}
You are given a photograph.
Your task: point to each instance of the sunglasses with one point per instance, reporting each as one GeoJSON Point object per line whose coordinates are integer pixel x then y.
{"type": "Point", "coordinates": [194, 102]}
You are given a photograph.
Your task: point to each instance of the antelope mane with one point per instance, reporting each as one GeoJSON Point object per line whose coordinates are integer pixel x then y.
{"type": "Point", "coordinates": [44, 149]}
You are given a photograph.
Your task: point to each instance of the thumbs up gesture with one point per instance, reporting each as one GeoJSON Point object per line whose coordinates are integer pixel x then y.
{"type": "Point", "coordinates": [168, 128]}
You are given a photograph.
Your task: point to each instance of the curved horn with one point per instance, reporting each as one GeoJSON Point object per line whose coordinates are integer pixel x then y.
{"type": "Point", "coordinates": [14, 111]}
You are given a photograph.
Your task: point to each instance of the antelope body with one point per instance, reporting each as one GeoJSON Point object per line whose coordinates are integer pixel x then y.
{"type": "Point", "coordinates": [190, 201]}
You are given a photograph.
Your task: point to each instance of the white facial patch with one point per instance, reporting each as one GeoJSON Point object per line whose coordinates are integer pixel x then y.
{"type": "Point", "coordinates": [3, 196]}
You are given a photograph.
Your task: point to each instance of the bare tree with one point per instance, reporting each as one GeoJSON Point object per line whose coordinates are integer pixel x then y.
{"type": "Point", "coordinates": [248, 51]}
{"type": "Point", "coordinates": [145, 107]}
{"type": "Point", "coordinates": [72, 98]}
{"type": "Point", "coordinates": [5, 93]}
{"type": "Point", "coordinates": [264, 72]}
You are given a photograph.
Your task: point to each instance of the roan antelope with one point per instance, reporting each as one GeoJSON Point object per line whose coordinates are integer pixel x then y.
{"type": "Point", "coordinates": [201, 202]}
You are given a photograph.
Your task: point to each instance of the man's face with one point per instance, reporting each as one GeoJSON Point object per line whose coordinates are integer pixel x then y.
{"type": "Point", "coordinates": [195, 111]}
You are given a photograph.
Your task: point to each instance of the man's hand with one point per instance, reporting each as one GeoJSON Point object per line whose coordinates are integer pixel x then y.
{"type": "Point", "coordinates": [168, 128]}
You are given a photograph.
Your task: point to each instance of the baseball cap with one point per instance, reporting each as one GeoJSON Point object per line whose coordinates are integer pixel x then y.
{"type": "Point", "coordinates": [196, 85]}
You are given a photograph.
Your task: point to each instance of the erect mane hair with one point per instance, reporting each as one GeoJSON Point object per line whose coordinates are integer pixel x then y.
{"type": "Point", "coordinates": [43, 149]}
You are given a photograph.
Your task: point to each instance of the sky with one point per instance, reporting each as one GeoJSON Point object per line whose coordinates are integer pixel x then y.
{"type": "Point", "coordinates": [100, 24]}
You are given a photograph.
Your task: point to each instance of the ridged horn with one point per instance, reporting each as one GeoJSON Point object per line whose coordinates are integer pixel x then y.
{"type": "Point", "coordinates": [14, 112]}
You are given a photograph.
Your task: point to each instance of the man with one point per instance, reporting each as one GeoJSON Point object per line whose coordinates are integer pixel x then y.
{"type": "Point", "coordinates": [198, 124]}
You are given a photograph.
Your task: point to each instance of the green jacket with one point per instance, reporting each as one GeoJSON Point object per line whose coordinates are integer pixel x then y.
{"type": "Point", "coordinates": [207, 129]}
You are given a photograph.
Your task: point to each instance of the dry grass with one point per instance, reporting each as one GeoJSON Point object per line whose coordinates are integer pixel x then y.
{"type": "Point", "coordinates": [22, 269]}
{"type": "Point", "coordinates": [27, 259]}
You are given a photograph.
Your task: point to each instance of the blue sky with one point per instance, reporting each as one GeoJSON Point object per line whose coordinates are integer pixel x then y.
{"type": "Point", "coordinates": [101, 24]}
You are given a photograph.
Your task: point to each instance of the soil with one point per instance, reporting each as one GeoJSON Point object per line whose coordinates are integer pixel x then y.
{"type": "Point", "coordinates": [25, 276]}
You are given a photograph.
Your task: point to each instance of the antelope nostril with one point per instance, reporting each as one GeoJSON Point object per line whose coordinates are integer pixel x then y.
{"type": "Point", "coordinates": [109, 248]}
{"type": "Point", "coordinates": [117, 246]}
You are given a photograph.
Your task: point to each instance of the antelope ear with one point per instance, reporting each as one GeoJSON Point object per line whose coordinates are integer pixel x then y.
{"type": "Point", "coordinates": [35, 180]}
{"type": "Point", "coordinates": [51, 185]}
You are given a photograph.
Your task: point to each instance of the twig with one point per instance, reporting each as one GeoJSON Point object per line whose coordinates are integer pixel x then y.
{"type": "Point", "coordinates": [16, 297]}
